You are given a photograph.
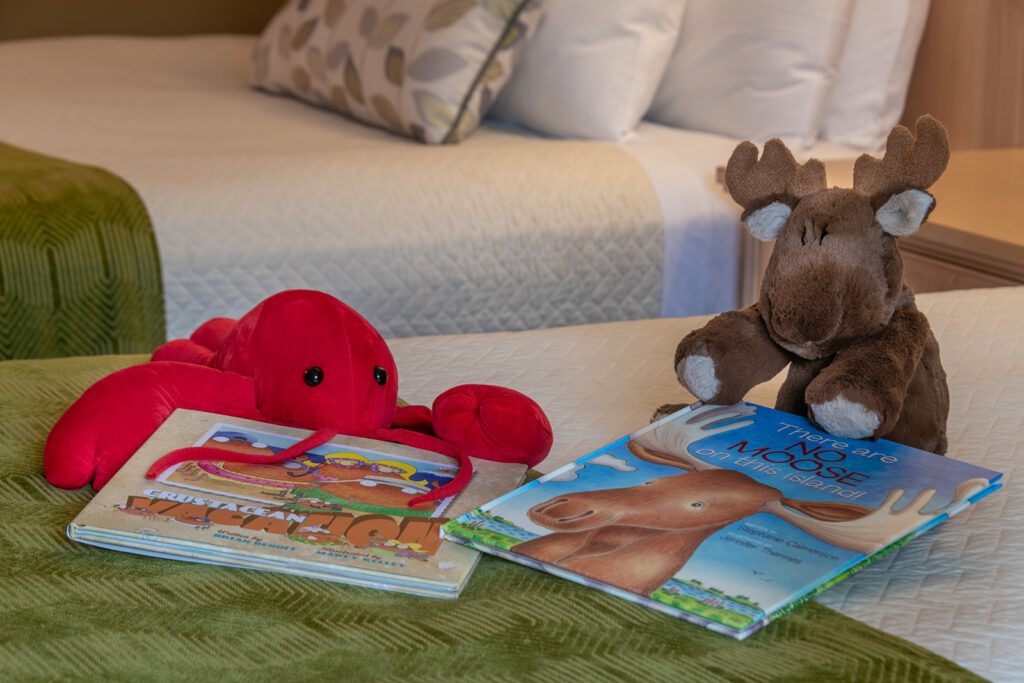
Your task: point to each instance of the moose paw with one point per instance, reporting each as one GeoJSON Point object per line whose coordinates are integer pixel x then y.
{"type": "Point", "coordinates": [698, 374]}
{"type": "Point", "coordinates": [845, 418]}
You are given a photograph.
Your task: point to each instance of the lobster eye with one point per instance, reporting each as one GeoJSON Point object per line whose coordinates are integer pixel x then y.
{"type": "Point", "coordinates": [380, 375]}
{"type": "Point", "coordinates": [313, 376]}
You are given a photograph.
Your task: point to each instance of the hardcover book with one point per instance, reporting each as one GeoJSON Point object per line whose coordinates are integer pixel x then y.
{"type": "Point", "coordinates": [727, 517]}
{"type": "Point", "coordinates": [338, 512]}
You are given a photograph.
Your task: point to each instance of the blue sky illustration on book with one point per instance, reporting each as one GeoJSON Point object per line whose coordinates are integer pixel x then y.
{"type": "Point", "coordinates": [762, 556]}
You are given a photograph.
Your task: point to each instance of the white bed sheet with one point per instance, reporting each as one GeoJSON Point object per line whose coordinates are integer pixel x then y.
{"type": "Point", "coordinates": [240, 214]}
{"type": "Point", "coordinates": [956, 590]}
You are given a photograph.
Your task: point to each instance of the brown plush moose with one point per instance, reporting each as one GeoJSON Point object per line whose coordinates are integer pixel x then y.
{"type": "Point", "coordinates": [863, 362]}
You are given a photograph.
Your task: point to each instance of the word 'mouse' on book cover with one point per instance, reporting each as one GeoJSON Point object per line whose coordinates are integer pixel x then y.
{"type": "Point", "coordinates": [724, 516]}
{"type": "Point", "coordinates": [338, 512]}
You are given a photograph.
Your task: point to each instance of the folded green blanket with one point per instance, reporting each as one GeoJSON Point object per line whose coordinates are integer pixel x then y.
{"type": "Point", "coordinates": [69, 611]}
{"type": "Point", "coordinates": [79, 271]}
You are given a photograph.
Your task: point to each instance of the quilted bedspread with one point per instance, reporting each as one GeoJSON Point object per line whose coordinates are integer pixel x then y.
{"type": "Point", "coordinates": [252, 193]}
{"type": "Point", "coordinates": [79, 272]}
{"type": "Point", "coordinates": [75, 612]}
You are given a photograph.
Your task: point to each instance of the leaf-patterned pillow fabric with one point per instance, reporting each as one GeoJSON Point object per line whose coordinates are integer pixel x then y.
{"type": "Point", "coordinates": [426, 69]}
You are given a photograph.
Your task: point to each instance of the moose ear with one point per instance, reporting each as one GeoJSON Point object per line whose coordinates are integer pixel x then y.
{"type": "Point", "coordinates": [903, 213]}
{"type": "Point", "coordinates": [766, 222]}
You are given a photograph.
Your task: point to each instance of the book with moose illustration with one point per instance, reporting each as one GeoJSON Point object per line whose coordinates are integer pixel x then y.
{"type": "Point", "coordinates": [724, 516]}
{"type": "Point", "coordinates": [337, 512]}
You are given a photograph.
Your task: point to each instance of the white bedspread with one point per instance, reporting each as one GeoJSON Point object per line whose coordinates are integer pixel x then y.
{"type": "Point", "coordinates": [957, 590]}
{"type": "Point", "coordinates": [250, 194]}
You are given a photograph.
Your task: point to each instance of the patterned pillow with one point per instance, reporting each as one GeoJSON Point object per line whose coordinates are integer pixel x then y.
{"type": "Point", "coordinates": [426, 69]}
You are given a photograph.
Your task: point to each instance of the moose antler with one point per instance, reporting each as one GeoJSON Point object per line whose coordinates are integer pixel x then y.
{"type": "Point", "coordinates": [911, 160]}
{"type": "Point", "coordinates": [666, 442]}
{"type": "Point", "coordinates": [776, 177]}
{"type": "Point", "coordinates": [870, 532]}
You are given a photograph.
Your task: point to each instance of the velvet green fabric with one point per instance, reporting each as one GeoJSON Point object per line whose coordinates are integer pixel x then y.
{"type": "Point", "coordinates": [70, 611]}
{"type": "Point", "coordinates": [79, 270]}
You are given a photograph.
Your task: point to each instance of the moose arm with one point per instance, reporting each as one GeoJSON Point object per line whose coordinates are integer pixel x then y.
{"type": "Point", "coordinates": [801, 373]}
{"type": "Point", "coordinates": [723, 360]}
{"type": "Point", "coordinates": [861, 393]}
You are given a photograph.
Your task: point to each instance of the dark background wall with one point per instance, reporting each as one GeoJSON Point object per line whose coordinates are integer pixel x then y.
{"type": "Point", "coordinates": [33, 18]}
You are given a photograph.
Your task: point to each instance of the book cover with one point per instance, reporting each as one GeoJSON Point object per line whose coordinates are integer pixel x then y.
{"type": "Point", "coordinates": [726, 517]}
{"type": "Point", "coordinates": [338, 512]}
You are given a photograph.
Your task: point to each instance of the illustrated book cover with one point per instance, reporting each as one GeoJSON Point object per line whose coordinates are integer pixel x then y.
{"type": "Point", "coordinates": [338, 512]}
{"type": "Point", "coordinates": [724, 516]}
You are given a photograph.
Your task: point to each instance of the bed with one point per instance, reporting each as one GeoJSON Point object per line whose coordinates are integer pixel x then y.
{"type": "Point", "coordinates": [954, 592]}
{"type": "Point", "coordinates": [251, 193]}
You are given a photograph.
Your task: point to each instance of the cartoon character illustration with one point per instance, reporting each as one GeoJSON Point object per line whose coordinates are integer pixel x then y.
{"type": "Point", "coordinates": [132, 510]}
{"type": "Point", "coordinates": [238, 442]}
{"type": "Point", "coordinates": [317, 504]}
{"type": "Point", "coordinates": [317, 535]}
{"type": "Point", "coordinates": [384, 483]}
{"type": "Point", "coordinates": [639, 537]}
{"type": "Point", "coordinates": [194, 521]}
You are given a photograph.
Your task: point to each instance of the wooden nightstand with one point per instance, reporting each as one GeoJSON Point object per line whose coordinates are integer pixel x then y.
{"type": "Point", "coordinates": [973, 238]}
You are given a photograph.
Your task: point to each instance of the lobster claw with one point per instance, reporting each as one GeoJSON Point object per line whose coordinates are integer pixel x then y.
{"type": "Point", "coordinates": [115, 416]}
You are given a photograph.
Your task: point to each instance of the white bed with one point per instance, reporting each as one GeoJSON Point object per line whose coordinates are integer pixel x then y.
{"type": "Point", "coordinates": [956, 590]}
{"type": "Point", "coordinates": [250, 194]}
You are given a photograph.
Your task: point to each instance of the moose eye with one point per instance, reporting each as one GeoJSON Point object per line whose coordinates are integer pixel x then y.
{"type": "Point", "coordinates": [650, 482]}
{"type": "Point", "coordinates": [697, 505]}
{"type": "Point", "coordinates": [380, 375]}
{"type": "Point", "coordinates": [313, 376]}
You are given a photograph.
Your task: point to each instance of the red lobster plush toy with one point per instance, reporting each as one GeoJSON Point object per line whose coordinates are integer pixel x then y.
{"type": "Point", "coordinates": [302, 359]}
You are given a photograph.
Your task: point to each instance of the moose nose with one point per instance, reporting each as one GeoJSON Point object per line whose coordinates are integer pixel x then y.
{"type": "Point", "coordinates": [814, 232]}
{"type": "Point", "coordinates": [546, 507]}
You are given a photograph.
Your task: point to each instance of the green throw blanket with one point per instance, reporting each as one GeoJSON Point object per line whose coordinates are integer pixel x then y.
{"type": "Point", "coordinates": [79, 271]}
{"type": "Point", "coordinates": [69, 611]}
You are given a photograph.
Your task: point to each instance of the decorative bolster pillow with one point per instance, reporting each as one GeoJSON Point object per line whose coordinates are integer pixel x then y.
{"type": "Point", "coordinates": [425, 69]}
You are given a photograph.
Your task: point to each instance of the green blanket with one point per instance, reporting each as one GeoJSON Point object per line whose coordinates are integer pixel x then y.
{"type": "Point", "coordinates": [69, 611]}
{"type": "Point", "coordinates": [79, 271]}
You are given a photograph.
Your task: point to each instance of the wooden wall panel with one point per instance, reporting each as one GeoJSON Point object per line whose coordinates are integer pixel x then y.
{"type": "Point", "coordinates": [34, 18]}
{"type": "Point", "coordinates": [970, 72]}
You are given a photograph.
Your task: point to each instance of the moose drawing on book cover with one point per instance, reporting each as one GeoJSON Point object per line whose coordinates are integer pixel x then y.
{"type": "Point", "coordinates": [639, 537]}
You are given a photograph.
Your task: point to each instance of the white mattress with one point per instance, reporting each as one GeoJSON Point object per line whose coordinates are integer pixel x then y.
{"type": "Point", "coordinates": [956, 591]}
{"type": "Point", "coordinates": [243, 191]}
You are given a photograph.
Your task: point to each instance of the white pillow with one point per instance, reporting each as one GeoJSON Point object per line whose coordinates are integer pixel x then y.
{"type": "Point", "coordinates": [874, 73]}
{"type": "Point", "coordinates": [754, 70]}
{"type": "Point", "coordinates": [592, 67]}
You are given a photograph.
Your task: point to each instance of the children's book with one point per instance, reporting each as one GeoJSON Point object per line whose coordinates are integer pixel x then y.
{"type": "Point", "coordinates": [727, 517]}
{"type": "Point", "coordinates": [338, 512]}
